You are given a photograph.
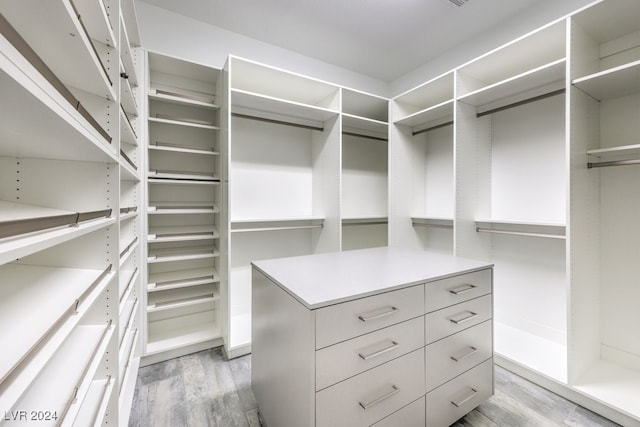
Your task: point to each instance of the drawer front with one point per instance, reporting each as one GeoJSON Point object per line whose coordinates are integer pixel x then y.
{"type": "Point", "coordinates": [369, 397]}
{"type": "Point", "coordinates": [456, 398]}
{"type": "Point", "coordinates": [458, 353]}
{"type": "Point", "coordinates": [354, 318]}
{"type": "Point", "coordinates": [454, 290]}
{"type": "Point", "coordinates": [451, 320]}
{"type": "Point", "coordinates": [412, 415]}
{"type": "Point", "coordinates": [348, 358]}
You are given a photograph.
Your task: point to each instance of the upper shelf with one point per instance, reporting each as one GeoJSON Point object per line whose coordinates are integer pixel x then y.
{"type": "Point", "coordinates": [127, 54]}
{"type": "Point", "coordinates": [270, 108]}
{"type": "Point", "coordinates": [530, 52]}
{"type": "Point", "coordinates": [545, 75]}
{"type": "Point", "coordinates": [364, 126]}
{"type": "Point", "coordinates": [56, 34]}
{"type": "Point", "coordinates": [436, 114]}
{"type": "Point", "coordinates": [252, 77]}
{"type": "Point", "coordinates": [612, 83]}
{"type": "Point", "coordinates": [177, 96]}
{"type": "Point", "coordinates": [359, 104]}
{"type": "Point", "coordinates": [424, 98]}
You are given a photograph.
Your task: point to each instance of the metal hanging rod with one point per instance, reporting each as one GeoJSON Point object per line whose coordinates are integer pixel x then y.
{"type": "Point", "coordinates": [418, 132]}
{"type": "Point", "coordinates": [277, 122]}
{"type": "Point", "coordinates": [365, 223]}
{"type": "Point", "coordinates": [523, 102]}
{"type": "Point", "coordinates": [293, 227]}
{"type": "Point", "coordinates": [613, 163]}
{"type": "Point", "coordinates": [521, 233]}
{"type": "Point", "coordinates": [422, 224]}
{"type": "Point", "coordinates": [377, 138]}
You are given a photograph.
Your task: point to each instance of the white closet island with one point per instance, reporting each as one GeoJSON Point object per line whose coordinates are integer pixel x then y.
{"type": "Point", "coordinates": [379, 336]}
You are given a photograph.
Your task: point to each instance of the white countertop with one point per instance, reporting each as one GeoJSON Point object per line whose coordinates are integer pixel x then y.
{"type": "Point", "coordinates": [325, 279]}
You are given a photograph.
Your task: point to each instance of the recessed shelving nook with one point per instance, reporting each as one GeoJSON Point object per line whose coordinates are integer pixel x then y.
{"type": "Point", "coordinates": [423, 147]}
{"type": "Point", "coordinates": [364, 189]}
{"type": "Point", "coordinates": [284, 150]}
{"type": "Point", "coordinates": [604, 358]}
{"type": "Point", "coordinates": [184, 199]}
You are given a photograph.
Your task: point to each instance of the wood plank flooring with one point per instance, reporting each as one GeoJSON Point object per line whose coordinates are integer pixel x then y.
{"type": "Point", "coordinates": [204, 390]}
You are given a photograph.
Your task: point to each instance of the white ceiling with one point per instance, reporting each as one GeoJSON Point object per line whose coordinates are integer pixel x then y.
{"type": "Point", "coordinates": [384, 39]}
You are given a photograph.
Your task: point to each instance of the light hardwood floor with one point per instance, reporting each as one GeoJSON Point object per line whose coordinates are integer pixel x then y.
{"type": "Point", "coordinates": [204, 390]}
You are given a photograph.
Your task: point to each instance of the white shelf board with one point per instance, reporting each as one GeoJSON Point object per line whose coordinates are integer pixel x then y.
{"type": "Point", "coordinates": [254, 77]}
{"type": "Point", "coordinates": [126, 349]}
{"type": "Point", "coordinates": [432, 115]}
{"type": "Point", "coordinates": [128, 216]}
{"type": "Point", "coordinates": [612, 83]}
{"type": "Point", "coordinates": [179, 208]}
{"type": "Point", "coordinates": [56, 383]}
{"type": "Point", "coordinates": [364, 105]}
{"type": "Point", "coordinates": [274, 108]}
{"type": "Point", "coordinates": [127, 172]}
{"type": "Point", "coordinates": [613, 385]}
{"type": "Point", "coordinates": [184, 176]}
{"type": "Point", "coordinates": [182, 123]}
{"type": "Point", "coordinates": [181, 278]}
{"type": "Point", "coordinates": [95, 403]}
{"type": "Point", "coordinates": [54, 32]}
{"type": "Point", "coordinates": [170, 339]}
{"type": "Point", "coordinates": [175, 97]}
{"type": "Point", "coordinates": [13, 248]}
{"type": "Point", "coordinates": [185, 300]}
{"type": "Point", "coordinates": [128, 100]}
{"type": "Point", "coordinates": [126, 53]}
{"type": "Point", "coordinates": [429, 94]}
{"type": "Point", "coordinates": [184, 150]}
{"type": "Point", "coordinates": [49, 291]}
{"type": "Point", "coordinates": [618, 152]}
{"type": "Point", "coordinates": [375, 127]}
{"type": "Point", "coordinates": [127, 279]}
{"type": "Point", "coordinates": [181, 254]}
{"type": "Point", "coordinates": [439, 222]}
{"type": "Point", "coordinates": [127, 133]}
{"type": "Point", "coordinates": [166, 181]}
{"type": "Point", "coordinates": [75, 138]}
{"type": "Point", "coordinates": [96, 20]}
{"type": "Point", "coordinates": [182, 233]}
{"type": "Point", "coordinates": [126, 317]}
{"type": "Point", "coordinates": [130, 251]}
{"type": "Point", "coordinates": [539, 77]}
{"type": "Point", "coordinates": [539, 354]}
{"type": "Point", "coordinates": [272, 220]}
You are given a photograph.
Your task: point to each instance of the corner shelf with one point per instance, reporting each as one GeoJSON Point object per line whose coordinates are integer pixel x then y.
{"type": "Point", "coordinates": [611, 83]}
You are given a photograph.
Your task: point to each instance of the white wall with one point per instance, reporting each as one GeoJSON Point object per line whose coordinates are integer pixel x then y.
{"type": "Point", "coordinates": [538, 15]}
{"type": "Point", "coordinates": [176, 35]}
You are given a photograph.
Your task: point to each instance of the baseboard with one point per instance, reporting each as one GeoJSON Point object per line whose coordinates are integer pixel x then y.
{"type": "Point", "coordinates": [182, 351]}
{"type": "Point", "coordinates": [567, 392]}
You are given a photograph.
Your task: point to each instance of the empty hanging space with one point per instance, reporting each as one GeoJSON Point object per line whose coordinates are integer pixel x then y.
{"type": "Point", "coordinates": [422, 186]}
{"type": "Point", "coordinates": [365, 147]}
{"type": "Point", "coordinates": [284, 177]}
{"type": "Point", "coordinates": [605, 139]}
{"type": "Point", "coordinates": [511, 167]}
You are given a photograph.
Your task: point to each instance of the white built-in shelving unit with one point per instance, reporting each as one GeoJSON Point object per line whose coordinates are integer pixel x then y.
{"type": "Point", "coordinates": [604, 351]}
{"type": "Point", "coordinates": [69, 192]}
{"type": "Point", "coordinates": [284, 150]}
{"type": "Point", "coordinates": [364, 189]}
{"type": "Point", "coordinates": [185, 229]}
{"type": "Point", "coordinates": [307, 174]}
{"type": "Point", "coordinates": [512, 159]}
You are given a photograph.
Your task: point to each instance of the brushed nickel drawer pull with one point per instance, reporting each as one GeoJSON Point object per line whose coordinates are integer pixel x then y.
{"type": "Point", "coordinates": [461, 319]}
{"type": "Point", "coordinates": [463, 355]}
{"type": "Point", "coordinates": [470, 396]}
{"type": "Point", "coordinates": [393, 346]}
{"type": "Point", "coordinates": [462, 289]}
{"type": "Point", "coordinates": [368, 405]}
{"type": "Point", "coordinates": [378, 313]}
